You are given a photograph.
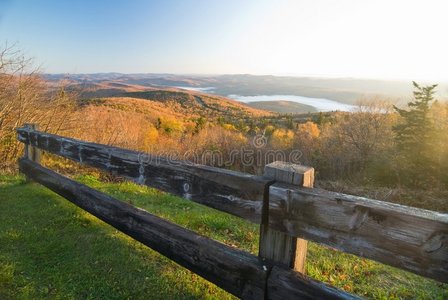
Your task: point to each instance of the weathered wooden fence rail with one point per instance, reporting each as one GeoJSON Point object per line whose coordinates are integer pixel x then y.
{"type": "Point", "coordinates": [282, 201]}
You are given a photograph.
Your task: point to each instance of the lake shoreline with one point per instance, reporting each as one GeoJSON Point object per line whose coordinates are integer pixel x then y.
{"type": "Point", "coordinates": [319, 104]}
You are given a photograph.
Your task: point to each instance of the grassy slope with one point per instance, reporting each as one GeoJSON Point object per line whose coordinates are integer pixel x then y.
{"type": "Point", "coordinates": [51, 249]}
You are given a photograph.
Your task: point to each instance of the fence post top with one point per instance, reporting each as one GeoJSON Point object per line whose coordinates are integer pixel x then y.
{"type": "Point", "coordinates": [290, 173]}
{"type": "Point", "coordinates": [287, 166]}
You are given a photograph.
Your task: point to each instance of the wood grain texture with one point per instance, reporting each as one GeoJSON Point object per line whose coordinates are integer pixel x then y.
{"type": "Point", "coordinates": [233, 192]}
{"type": "Point", "coordinates": [31, 152]}
{"type": "Point", "coordinates": [290, 173]}
{"type": "Point", "coordinates": [240, 273]}
{"type": "Point", "coordinates": [278, 246]}
{"type": "Point", "coordinates": [408, 238]}
{"type": "Point", "coordinates": [234, 270]}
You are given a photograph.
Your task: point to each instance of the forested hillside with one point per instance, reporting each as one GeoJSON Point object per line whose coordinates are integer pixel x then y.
{"type": "Point", "coordinates": [377, 144]}
{"type": "Point", "coordinates": [190, 149]}
{"type": "Point", "coordinates": [346, 90]}
{"type": "Point", "coordinates": [385, 152]}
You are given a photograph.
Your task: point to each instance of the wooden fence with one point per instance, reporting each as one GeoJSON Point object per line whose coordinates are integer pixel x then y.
{"type": "Point", "coordinates": [283, 201]}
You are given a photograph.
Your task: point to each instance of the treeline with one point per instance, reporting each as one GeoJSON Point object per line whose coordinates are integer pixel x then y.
{"type": "Point", "coordinates": [26, 98]}
{"type": "Point", "coordinates": [377, 144]}
{"type": "Point", "coordinates": [383, 144]}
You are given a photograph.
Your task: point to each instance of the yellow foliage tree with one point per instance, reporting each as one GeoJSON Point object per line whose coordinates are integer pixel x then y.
{"type": "Point", "coordinates": [282, 138]}
{"type": "Point", "coordinates": [309, 129]}
{"type": "Point", "coordinates": [171, 126]}
{"type": "Point", "coordinates": [150, 137]}
{"type": "Point", "coordinates": [229, 127]}
{"type": "Point", "coordinates": [268, 130]}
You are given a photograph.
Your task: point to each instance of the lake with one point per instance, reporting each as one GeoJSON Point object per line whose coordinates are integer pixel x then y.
{"type": "Point", "coordinates": [197, 89]}
{"type": "Point", "coordinates": [321, 104]}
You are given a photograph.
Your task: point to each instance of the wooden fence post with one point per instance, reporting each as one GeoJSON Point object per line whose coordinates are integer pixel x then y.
{"type": "Point", "coordinates": [32, 153]}
{"type": "Point", "coordinates": [277, 246]}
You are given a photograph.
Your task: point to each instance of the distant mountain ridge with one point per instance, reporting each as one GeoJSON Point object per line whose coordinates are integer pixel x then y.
{"type": "Point", "coordinates": [345, 90]}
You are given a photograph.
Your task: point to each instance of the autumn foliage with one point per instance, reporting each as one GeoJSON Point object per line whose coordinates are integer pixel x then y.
{"type": "Point", "coordinates": [375, 144]}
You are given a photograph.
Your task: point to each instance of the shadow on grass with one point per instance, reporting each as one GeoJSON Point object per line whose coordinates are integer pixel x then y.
{"type": "Point", "coordinates": [51, 249]}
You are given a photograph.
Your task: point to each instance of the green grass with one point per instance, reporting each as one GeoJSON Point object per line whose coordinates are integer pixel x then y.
{"type": "Point", "coordinates": [49, 248]}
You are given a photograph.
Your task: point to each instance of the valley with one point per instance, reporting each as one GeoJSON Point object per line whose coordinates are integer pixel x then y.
{"type": "Point", "coordinates": [308, 94]}
{"type": "Point", "coordinates": [223, 149]}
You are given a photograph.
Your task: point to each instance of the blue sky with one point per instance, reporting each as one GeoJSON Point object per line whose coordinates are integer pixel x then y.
{"type": "Point", "coordinates": [349, 38]}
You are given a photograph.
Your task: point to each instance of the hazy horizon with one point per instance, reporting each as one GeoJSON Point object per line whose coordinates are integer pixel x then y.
{"type": "Point", "coordinates": [379, 40]}
{"type": "Point", "coordinates": [298, 76]}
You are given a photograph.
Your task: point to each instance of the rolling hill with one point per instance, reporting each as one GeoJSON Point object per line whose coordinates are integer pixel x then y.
{"type": "Point", "coordinates": [345, 90]}
{"type": "Point", "coordinates": [159, 100]}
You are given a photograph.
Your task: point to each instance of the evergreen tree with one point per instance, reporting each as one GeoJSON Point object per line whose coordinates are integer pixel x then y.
{"type": "Point", "coordinates": [414, 137]}
{"type": "Point", "coordinates": [320, 119]}
{"type": "Point", "coordinates": [200, 124]}
{"type": "Point", "coordinates": [289, 122]}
